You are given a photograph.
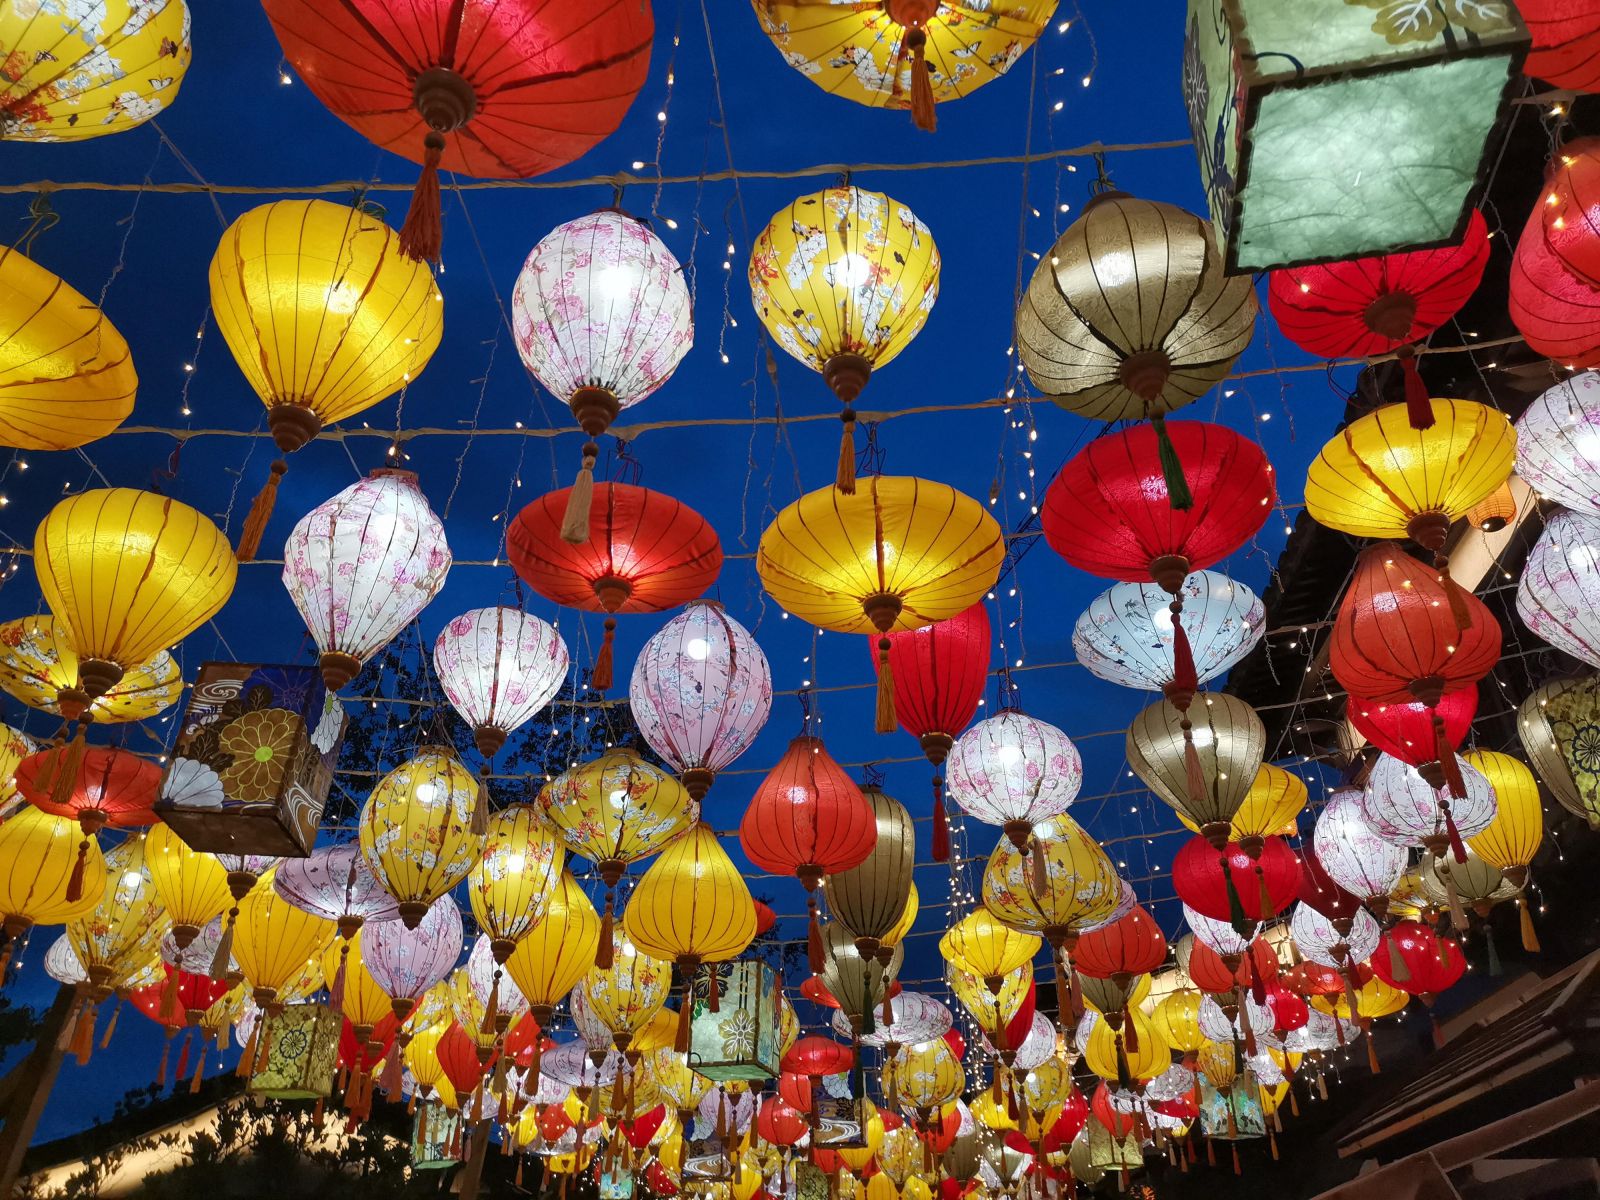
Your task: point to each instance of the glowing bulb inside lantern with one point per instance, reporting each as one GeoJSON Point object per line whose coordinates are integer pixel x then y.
{"type": "Point", "coordinates": [697, 648]}
{"type": "Point", "coordinates": [426, 793]}
{"type": "Point", "coordinates": [1008, 755]}
{"type": "Point", "coordinates": [852, 271]}
{"type": "Point", "coordinates": [514, 862]}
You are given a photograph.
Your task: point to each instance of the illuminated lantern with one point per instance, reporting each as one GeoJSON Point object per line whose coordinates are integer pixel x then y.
{"type": "Point", "coordinates": [1404, 806]}
{"type": "Point", "coordinates": [1177, 1019]}
{"type": "Point", "coordinates": [1558, 443]}
{"type": "Point", "coordinates": [742, 1038]}
{"type": "Point", "coordinates": [628, 993]}
{"type": "Point", "coordinates": [78, 73]}
{"type": "Point", "coordinates": [1132, 1049]}
{"type": "Point", "coordinates": [616, 810]}
{"type": "Point", "coordinates": [1560, 585]}
{"type": "Point", "coordinates": [509, 885]}
{"type": "Point", "coordinates": [558, 951]}
{"type": "Point", "coordinates": [602, 317]}
{"type": "Point", "coordinates": [843, 279]}
{"type": "Point", "coordinates": [1564, 222]}
{"type": "Point", "coordinates": [1201, 761]}
{"type": "Point", "coordinates": [1556, 311]}
{"type": "Point", "coordinates": [1553, 724]}
{"type": "Point", "coordinates": [1510, 841]}
{"type": "Point", "coordinates": [808, 819]}
{"type": "Point", "coordinates": [335, 883]}
{"type": "Point", "coordinates": [483, 1000]}
{"type": "Point", "coordinates": [1494, 513]}
{"type": "Point", "coordinates": [925, 1076]}
{"type": "Point", "coordinates": [1340, 943]}
{"type": "Point", "coordinates": [913, 1017]}
{"type": "Point", "coordinates": [1566, 41]}
{"type": "Point", "coordinates": [406, 962]}
{"type": "Point", "coordinates": [1207, 878]}
{"type": "Point", "coordinates": [1418, 961]}
{"type": "Point", "coordinates": [119, 941]}
{"type": "Point", "coordinates": [523, 89]}
{"type": "Point", "coordinates": [1351, 852]}
{"type": "Point", "coordinates": [1271, 806]}
{"type": "Point", "coordinates": [325, 318]}
{"type": "Point", "coordinates": [129, 574]}
{"type": "Point", "coordinates": [499, 667]}
{"type": "Point", "coordinates": [1474, 884]}
{"type": "Point", "coordinates": [701, 690]}
{"type": "Point", "coordinates": [980, 944]}
{"type": "Point", "coordinates": [907, 552]}
{"type": "Point", "coordinates": [1014, 771]}
{"type": "Point", "coordinates": [1129, 946]}
{"type": "Point", "coordinates": [273, 943]}
{"type": "Point", "coordinates": [1132, 316]}
{"type": "Point", "coordinates": [191, 886]}
{"type": "Point", "coordinates": [939, 671]}
{"type": "Point", "coordinates": [869, 898]}
{"type": "Point", "coordinates": [361, 566]}
{"type": "Point", "coordinates": [416, 829]}
{"type": "Point", "coordinates": [37, 662]}
{"type": "Point", "coordinates": [109, 787]}
{"type": "Point", "coordinates": [861, 981]}
{"type": "Point", "coordinates": [1405, 728]}
{"type": "Point", "coordinates": [645, 552]}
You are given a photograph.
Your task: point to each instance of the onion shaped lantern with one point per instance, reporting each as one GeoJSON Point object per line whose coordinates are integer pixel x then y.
{"type": "Point", "coordinates": [627, 994]}
{"type": "Point", "coordinates": [499, 667]}
{"type": "Point", "coordinates": [1271, 806]}
{"type": "Point", "coordinates": [192, 887]}
{"type": "Point", "coordinates": [843, 279]}
{"type": "Point", "coordinates": [1122, 953]}
{"type": "Point", "coordinates": [38, 663]}
{"type": "Point", "coordinates": [1560, 585]}
{"type": "Point", "coordinates": [361, 566]}
{"type": "Point", "coordinates": [1202, 762]}
{"type": "Point", "coordinates": [416, 830]}
{"type": "Point", "coordinates": [1406, 807]}
{"type": "Point", "coordinates": [1348, 848]}
{"type": "Point", "coordinates": [408, 962]}
{"type": "Point", "coordinates": [645, 552]}
{"type": "Point", "coordinates": [1513, 837]}
{"type": "Point", "coordinates": [1552, 723]}
{"type": "Point", "coordinates": [701, 690]}
{"type": "Point", "coordinates": [1014, 771]}
{"type": "Point", "coordinates": [861, 981]}
{"type": "Point", "coordinates": [509, 886]}
{"type": "Point", "coordinates": [602, 317]}
{"type": "Point", "coordinates": [1404, 728]}
{"type": "Point", "coordinates": [903, 553]}
{"type": "Point", "coordinates": [119, 941]}
{"type": "Point", "coordinates": [982, 945]}
{"type": "Point", "coordinates": [1133, 315]}
{"type": "Point", "coordinates": [870, 898]}
{"type": "Point", "coordinates": [1558, 443]}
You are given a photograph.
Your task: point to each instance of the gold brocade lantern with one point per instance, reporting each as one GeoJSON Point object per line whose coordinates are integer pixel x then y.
{"type": "Point", "coordinates": [120, 939]}
{"type": "Point", "coordinates": [1549, 724]}
{"type": "Point", "coordinates": [1269, 808]}
{"type": "Point", "coordinates": [66, 376]}
{"type": "Point", "coordinates": [510, 884]}
{"type": "Point", "coordinates": [38, 663]}
{"type": "Point", "coordinates": [557, 952]}
{"type": "Point", "coordinates": [615, 811]}
{"type": "Point", "coordinates": [870, 900]}
{"type": "Point", "coordinates": [923, 1076]}
{"type": "Point", "coordinates": [902, 554]}
{"type": "Point", "coordinates": [627, 995]}
{"type": "Point", "coordinates": [1219, 1063]}
{"type": "Point", "coordinates": [843, 279]}
{"type": "Point", "coordinates": [129, 574]}
{"type": "Point", "coordinates": [192, 887]}
{"type": "Point", "coordinates": [324, 316]}
{"type": "Point", "coordinates": [416, 829]}
{"type": "Point", "coordinates": [1204, 772]}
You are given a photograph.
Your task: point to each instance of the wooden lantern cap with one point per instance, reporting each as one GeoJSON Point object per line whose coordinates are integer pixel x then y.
{"type": "Point", "coordinates": [338, 668]}
{"type": "Point", "coordinates": [594, 408]}
{"type": "Point", "coordinates": [1391, 315]}
{"type": "Point", "coordinates": [846, 374]}
{"type": "Point", "coordinates": [292, 425]}
{"type": "Point", "coordinates": [97, 676]}
{"type": "Point", "coordinates": [1168, 571]}
{"type": "Point", "coordinates": [443, 99]}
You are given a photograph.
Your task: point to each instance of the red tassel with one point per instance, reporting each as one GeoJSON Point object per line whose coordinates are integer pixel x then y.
{"type": "Point", "coordinates": [1457, 846]}
{"type": "Point", "coordinates": [183, 1058]}
{"type": "Point", "coordinates": [923, 114]}
{"type": "Point", "coordinates": [600, 677]}
{"type": "Point", "coordinates": [1130, 1034]}
{"type": "Point", "coordinates": [1237, 1170]}
{"type": "Point", "coordinates": [685, 1008]}
{"type": "Point", "coordinates": [1247, 1029]}
{"type": "Point", "coordinates": [1418, 406]}
{"type": "Point", "coordinates": [713, 992]}
{"type": "Point", "coordinates": [1372, 1056]}
{"type": "Point", "coordinates": [161, 1071]}
{"type": "Point", "coordinates": [422, 236]}
{"type": "Point", "coordinates": [1268, 908]}
{"type": "Point", "coordinates": [941, 823]}
{"type": "Point", "coordinates": [75, 880]}
{"type": "Point", "coordinates": [603, 949]}
{"type": "Point", "coordinates": [1184, 677]}
{"type": "Point", "coordinates": [83, 1035]}
{"type": "Point", "coordinates": [814, 937]}
{"type": "Point", "coordinates": [391, 1079]}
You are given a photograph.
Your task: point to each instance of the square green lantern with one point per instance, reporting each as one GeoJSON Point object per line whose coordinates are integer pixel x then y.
{"type": "Point", "coordinates": [435, 1137]}
{"type": "Point", "coordinates": [1111, 1153]}
{"type": "Point", "coordinates": [1333, 129]}
{"type": "Point", "coordinates": [740, 1039]}
{"type": "Point", "coordinates": [302, 1053]}
{"type": "Point", "coordinates": [1234, 1112]}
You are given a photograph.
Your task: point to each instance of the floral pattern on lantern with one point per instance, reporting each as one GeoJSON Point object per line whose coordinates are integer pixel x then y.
{"type": "Point", "coordinates": [407, 962]}
{"type": "Point", "coordinates": [1558, 443]}
{"type": "Point", "coordinates": [1350, 850]}
{"type": "Point", "coordinates": [1321, 940]}
{"type": "Point", "coordinates": [1558, 595]}
{"type": "Point", "coordinates": [1126, 637]}
{"type": "Point", "coordinates": [37, 660]}
{"type": "Point", "coordinates": [1013, 770]}
{"type": "Point", "coordinates": [415, 829]}
{"type": "Point", "coordinates": [499, 666]}
{"type": "Point", "coordinates": [1403, 808]}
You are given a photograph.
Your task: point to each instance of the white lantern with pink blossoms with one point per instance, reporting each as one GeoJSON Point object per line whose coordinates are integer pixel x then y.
{"type": "Point", "coordinates": [499, 666]}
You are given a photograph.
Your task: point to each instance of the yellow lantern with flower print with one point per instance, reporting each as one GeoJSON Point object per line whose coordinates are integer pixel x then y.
{"type": "Point", "coordinates": [924, 1075]}
{"type": "Point", "coordinates": [627, 995]}
{"type": "Point", "coordinates": [37, 662]}
{"type": "Point", "coordinates": [416, 830]}
{"type": "Point", "coordinates": [510, 884]}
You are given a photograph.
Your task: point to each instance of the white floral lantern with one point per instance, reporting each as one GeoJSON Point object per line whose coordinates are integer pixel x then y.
{"type": "Point", "coordinates": [407, 962]}
{"type": "Point", "coordinates": [490, 983]}
{"type": "Point", "coordinates": [1558, 443]}
{"type": "Point", "coordinates": [1125, 636]}
{"type": "Point", "coordinates": [701, 691]}
{"type": "Point", "coordinates": [1321, 941]}
{"type": "Point", "coordinates": [1402, 807]}
{"type": "Point", "coordinates": [499, 666]}
{"type": "Point", "coordinates": [1350, 850]}
{"type": "Point", "coordinates": [916, 1018]}
{"type": "Point", "coordinates": [362, 565]}
{"type": "Point", "coordinates": [1558, 596]}
{"type": "Point", "coordinates": [1014, 771]}
{"type": "Point", "coordinates": [1037, 1047]}
{"type": "Point", "coordinates": [1218, 936]}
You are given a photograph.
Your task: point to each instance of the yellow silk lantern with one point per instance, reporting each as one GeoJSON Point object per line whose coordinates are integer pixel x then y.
{"type": "Point", "coordinates": [682, 1088]}
{"type": "Point", "coordinates": [1177, 1018]}
{"type": "Point", "coordinates": [628, 994]}
{"type": "Point", "coordinates": [1219, 1061]}
{"type": "Point", "coordinates": [991, 1113]}
{"type": "Point", "coordinates": [471, 1011]}
{"type": "Point", "coordinates": [509, 885]}
{"type": "Point", "coordinates": [274, 941]}
{"type": "Point", "coordinates": [843, 279]}
{"type": "Point", "coordinates": [1374, 999]}
{"type": "Point", "coordinates": [14, 747]}
{"type": "Point", "coordinates": [421, 1056]}
{"type": "Point", "coordinates": [1049, 1084]}
{"type": "Point", "coordinates": [192, 887]}
{"type": "Point", "coordinates": [1380, 478]}
{"type": "Point", "coordinates": [37, 662]}
{"type": "Point", "coordinates": [982, 945]}
{"type": "Point", "coordinates": [691, 906]}
{"type": "Point", "coordinates": [66, 376]}
{"type": "Point", "coordinates": [916, 1188]}
{"type": "Point", "coordinates": [557, 952]}
{"type": "Point", "coordinates": [1268, 809]}
{"type": "Point", "coordinates": [993, 1009]}
{"type": "Point", "coordinates": [881, 1187]}
{"type": "Point", "coordinates": [364, 1002]}
{"type": "Point", "coordinates": [122, 936]}
{"type": "Point", "coordinates": [38, 853]}
{"type": "Point", "coordinates": [1272, 1097]}
{"type": "Point", "coordinates": [857, 1157]}
{"type": "Point", "coordinates": [1513, 837]}
{"type": "Point", "coordinates": [908, 918]}
{"type": "Point", "coordinates": [1116, 1055]}
{"type": "Point", "coordinates": [416, 829]}
{"type": "Point", "coordinates": [86, 70]}
{"type": "Point", "coordinates": [129, 574]}
{"type": "Point", "coordinates": [924, 1075]}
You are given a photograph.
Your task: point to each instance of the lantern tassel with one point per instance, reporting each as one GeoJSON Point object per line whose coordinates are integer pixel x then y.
{"type": "Point", "coordinates": [686, 1006]}
{"type": "Point", "coordinates": [1457, 596]}
{"type": "Point", "coordinates": [391, 1078]}
{"type": "Point", "coordinates": [941, 822]}
{"type": "Point", "coordinates": [199, 1071]}
{"type": "Point", "coordinates": [1264, 895]}
{"type": "Point", "coordinates": [1438, 1032]}
{"type": "Point", "coordinates": [480, 804]}
{"type": "Point", "coordinates": [422, 235]}
{"type": "Point", "coordinates": [814, 937]}
{"type": "Point", "coordinates": [1236, 914]}
{"type": "Point", "coordinates": [1397, 962]}
{"type": "Point", "coordinates": [169, 997]}
{"type": "Point", "coordinates": [491, 1010]}
{"type": "Point", "coordinates": [1372, 1056]}
{"type": "Point", "coordinates": [1495, 966]}
{"type": "Point", "coordinates": [75, 880]}
{"type": "Point", "coordinates": [1178, 495]}
{"type": "Point", "coordinates": [1258, 985]}
{"type": "Point", "coordinates": [255, 522]}
{"type": "Point", "coordinates": [575, 521]}
{"type": "Point", "coordinates": [69, 764]}
{"type": "Point", "coordinates": [1453, 782]}
{"type": "Point", "coordinates": [1530, 936]}
{"type": "Point", "coordinates": [83, 1035]}
{"type": "Point", "coordinates": [1419, 408]}
{"type": "Point", "coordinates": [111, 1025]}
{"type": "Point", "coordinates": [221, 960]}
{"type": "Point", "coordinates": [923, 114]}
{"type": "Point", "coordinates": [1130, 1034]}
{"type": "Point", "coordinates": [1041, 874]}
{"type": "Point", "coordinates": [183, 1058]}
{"type": "Point", "coordinates": [845, 477]}
{"type": "Point", "coordinates": [604, 949]}
{"type": "Point", "coordinates": [600, 677]}
{"type": "Point", "coordinates": [713, 990]}
{"type": "Point", "coordinates": [1184, 677]}
{"type": "Point", "coordinates": [1247, 1028]}
{"type": "Point", "coordinates": [1194, 774]}
{"type": "Point", "coordinates": [247, 1060]}
{"type": "Point", "coordinates": [885, 715]}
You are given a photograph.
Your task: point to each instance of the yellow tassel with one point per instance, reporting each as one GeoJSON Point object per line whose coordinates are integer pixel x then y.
{"type": "Point", "coordinates": [69, 764]}
{"type": "Point", "coordinates": [255, 523]}
{"type": "Point", "coordinates": [845, 480]}
{"type": "Point", "coordinates": [575, 522]}
{"type": "Point", "coordinates": [886, 721]}
{"type": "Point", "coordinates": [1530, 937]}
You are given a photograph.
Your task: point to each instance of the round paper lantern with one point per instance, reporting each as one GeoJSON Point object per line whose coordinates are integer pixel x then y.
{"type": "Point", "coordinates": [522, 88]}
{"type": "Point", "coordinates": [1553, 720]}
{"type": "Point", "coordinates": [406, 962]}
{"type": "Point", "coordinates": [1404, 807]}
{"type": "Point", "coordinates": [939, 671]}
{"type": "Point", "coordinates": [602, 317]}
{"type": "Point", "coordinates": [273, 942]}
{"type": "Point", "coordinates": [924, 1076]}
{"type": "Point", "coordinates": [1404, 728]}
{"type": "Point", "coordinates": [74, 73]}
{"type": "Point", "coordinates": [38, 663]}
{"type": "Point", "coordinates": [645, 552]}
{"type": "Point", "coordinates": [508, 886]}
{"type": "Point", "coordinates": [335, 883]}
{"type": "Point", "coordinates": [701, 690]}
{"type": "Point", "coordinates": [1014, 771]}
{"type": "Point", "coordinates": [1556, 310]}
{"type": "Point", "coordinates": [361, 566]}
{"type": "Point", "coordinates": [913, 1017]}
{"type": "Point", "coordinates": [1202, 762]}
{"type": "Point", "coordinates": [1215, 881]}
{"type": "Point", "coordinates": [869, 898]}
{"type": "Point", "coordinates": [1271, 806]}
{"type": "Point", "coordinates": [904, 54]}
{"type": "Point", "coordinates": [416, 829]}
{"type": "Point", "coordinates": [1418, 961]}
{"type": "Point", "coordinates": [1512, 838]}
{"type": "Point", "coordinates": [982, 945]}
{"type": "Point", "coordinates": [499, 667]}
{"type": "Point", "coordinates": [191, 886]}
{"type": "Point", "coordinates": [1560, 585]}
{"type": "Point", "coordinates": [1473, 884]}
{"type": "Point", "coordinates": [1351, 852]}
{"type": "Point", "coordinates": [843, 279]}
{"type": "Point", "coordinates": [129, 574]}
{"type": "Point", "coordinates": [1566, 42]}
{"type": "Point", "coordinates": [1134, 1051]}
{"type": "Point", "coordinates": [1558, 443]}
{"type": "Point", "coordinates": [1566, 217]}
{"type": "Point", "coordinates": [1132, 316]}
{"type": "Point", "coordinates": [362, 1000]}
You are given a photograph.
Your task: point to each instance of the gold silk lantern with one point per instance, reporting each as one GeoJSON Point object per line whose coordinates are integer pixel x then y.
{"type": "Point", "coordinates": [510, 885]}
{"type": "Point", "coordinates": [1552, 724]}
{"type": "Point", "coordinates": [66, 375]}
{"type": "Point", "coordinates": [1135, 1050]}
{"type": "Point", "coordinates": [274, 941]}
{"type": "Point", "coordinates": [925, 1076]}
{"type": "Point", "coordinates": [1513, 837]}
{"type": "Point", "coordinates": [1177, 1017]}
{"type": "Point", "coordinates": [1203, 762]}
{"type": "Point", "coordinates": [980, 944]}
{"type": "Point", "coordinates": [627, 995]}
{"type": "Point", "coordinates": [416, 829]}
{"type": "Point", "coordinates": [843, 279]}
{"type": "Point", "coordinates": [38, 853]}
{"type": "Point", "coordinates": [870, 899]}
{"type": "Point", "coordinates": [558, 951]}
{"type": "Point", "coordinates": [38, 663]}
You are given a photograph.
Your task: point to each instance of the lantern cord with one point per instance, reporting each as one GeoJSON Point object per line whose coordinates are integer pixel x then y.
{"type": "Point", "coordinates": [422, 234]}
{"type": "Point", "coordinates": [255, 522]}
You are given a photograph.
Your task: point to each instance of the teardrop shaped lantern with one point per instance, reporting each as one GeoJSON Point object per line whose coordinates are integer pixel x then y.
{"type": "Point", "coordinates": [645, 552]}
{"type": "Point", "coordinates": [416, 829]}
{"type": "Point", "coordinates": [129, 574]}
{"type": "Point", "coordinates": [510, 884]}
{"type": "Point", "coordinates": [1014, 771]}
{"type": "Point", "coordinates": [80, 72]}
{"type": "Point", "coordinates": [1560, 585]}
{"type": "Point", "coordinates": [869, 898]}
{"type": "Point", "coordinates": [192, 887]}
{"type": "Point", "coordinates": [408, 962]}
{"type": "Point", "coordinates": [121, 939]}
{"type": "Point", "coordinates": [939, 671]}
{"type": "Point", "coordinates": [701, 690]}
{"type": "Point", "coordinates": [860, 980]}
{"type": "Point", "coordinates": [496, 90]}
{"type": "Point", "coordinates": [602, 317]}
{"type": "Point", "coordinates": [1202, 762]}
{"type": "Point", "coordinates": [1351, 852]}
{"type": "Point", "coordinates": [1553, 725]}
{"type": "Point", "coordinates": [1271, 806]}
{"type": "Point", "coordinates": [1512, 838]}
{"type": "Point", "coordinates": [37, 662]}
{"type": "Point", "coordinates": [361, 566]}
{"type": "Point", "coordinates": [903, 553]}
{"type": "Point", "coordinates": [1132, 316]}
{"type": "Point", "coordinates": [843, 279]}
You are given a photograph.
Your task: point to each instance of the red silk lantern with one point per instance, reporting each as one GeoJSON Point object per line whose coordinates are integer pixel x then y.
{"type": "Point", "coordinates": [939, 672]}
{"type": "Point", "coordinates": [765, 917]}
{"type": "Point", "coordinates": [1068, 1124]}
{"type": "Point", "coordinates": [641, 1129]}
{"type": "Point", "coordinates": [1323, 894]}
{"type": "Point", "coordinates": [1131, 945]}
{"type": "Point", "coordinates": [1566, 42]}
{"type": "Point", "coordinates": [553, 1122]}
{"type": "Point", "coordinates": [814, 1056]}
{"type": "Point", "coordinates": [1418, 961]}
{"type": "Point", "coordinates": [182, 999]}
{"type": "Point", "coordinates": [808, 819]}
{"type": "Point", "coordinates": [97, 786]}
{"type": "Point", "coordinates": [814, 990]}
{"type": "Point", "coordinates": [1208, 882]}
{"type": "Point", "coordinates": [522, 1039]}
{"type": "Point", "coordinates": [795, 1090]}
{"type": "Point", "coordinates": [940, 1131]}
{"type": "Point", "coordinates": [1289, 1011]}
{"type": "Point", "coordinates": [1404, 728]}
{"type": "Point", "coordinates": [1219, 974]}
{"type": "Point", "coordinates": [1307, 978]}
{"type": "Point", "coordinates": [659, 1181]}
{"type": "Point", "coordinates": [1021, 1022]}
{"type": "Point", "coordinates": [957, 1043]}
{"type": "Point", "coordinates": [363, 1054]}
{"type": "Point", "coordinates": [1109, 513]}
{"type": "Point", "coordinates": [458, 1058]}
{"type": "Point", "coordinates": [779, 1122]}
{"type": "Point", "coordinates": [646, 553]}
{"type": "Point", "coordinates": [1183, 1108]}
{"type": "Point", "coordinates": [523, 86]}
{"type": "Point", "coordinates": [1120, 1124]}
{"type": "Point", "coordinates": [1557, 313]}
{"type": "Point", "coordinates": [1569, 210]}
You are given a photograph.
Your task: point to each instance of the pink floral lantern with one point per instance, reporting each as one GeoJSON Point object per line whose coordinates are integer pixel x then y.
{"type": "Point", "coordinates": [499, 666]}
{"type": "Point", "coordinates": [335, 883]}
{"type": "Point", "coordinates": [916, 1018]}
{"type": "Point", "coordinates": [482, 972]}
{"type": "Point", "coordinates": [407, 962]}
{"type": "Point", "coordinates": [1323, 941]}
{"type": "Point", "coordinates": [1351, 852]}
{"type": "Point", "coordinates": [361, 566]}
{"type": "Point", "coordinates": [1404, 808]}
{"type": "Point", "coordinates": [1558, 596]}
{"type": "Point", "coordinates": [701, 691]}
{"type": "Point", "coordinates": [1013, 770]}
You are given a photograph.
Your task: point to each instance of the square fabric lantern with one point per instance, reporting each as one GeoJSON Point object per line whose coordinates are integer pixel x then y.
{"type": "Point", "coordinates": [740, 1039]}
{"type": "Point", "coordinates": [434, 1137]}
{"type": "Point", "coordinates": [709, 1160]}
{"type": "Point", "coordinates": [616, 1183]}
{"type": "Point", "coordinates": [302, 1053]}
{"type": "Point", "coordinates": [1111, 1153]}
{"type": "Point", "coordinates": [810, 1182]}
{"type": "Point", "coordinates": [841, 1124]}
{"type": "Point", "coordinates": [1244, 1097]}
{"type": "Point", "coordinates": [254, 760]}
{"type": "Point", "coordinates": [1332, 129]}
